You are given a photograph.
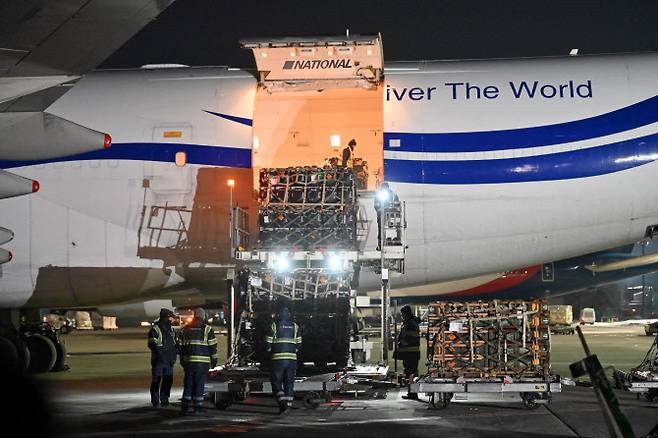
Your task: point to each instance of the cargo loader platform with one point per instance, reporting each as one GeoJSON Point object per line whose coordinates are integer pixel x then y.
{"type": "Point", "coordinates": [532, 392]}
{"type": "Point", "coordinates": [237, 383]}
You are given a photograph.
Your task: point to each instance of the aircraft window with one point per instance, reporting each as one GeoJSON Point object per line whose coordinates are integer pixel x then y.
{"type": "Point", "coordinates": [181, 159]}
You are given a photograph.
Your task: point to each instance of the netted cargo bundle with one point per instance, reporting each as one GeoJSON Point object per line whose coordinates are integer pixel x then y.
{"type": "Point", "coordinates": [307, 185]}
{"type": "Point", "coordinates": [489, 339]}
{"type": "Point", "coordinates": [307, 208]}
{"type": "Point", "coordinates": [303, 284]}
{"type": "Point", "coordinates": [307, 227]}
{"type": "Point", "coordinates": [324, 325]}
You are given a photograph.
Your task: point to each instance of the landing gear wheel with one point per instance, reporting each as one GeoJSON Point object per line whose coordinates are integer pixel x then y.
{"type": "Point", "coordinates": [222, 400]}
{"type": "Point", "coordinates": [530, 400]}
{"type": "Point", "coordinates": [23, 354]}
{"type": "Point", "coordinates": [440, 400]}
{"type": "Point", "coordinates": [312, 400]}
{"type": "Point", "coordinates": [43, 353]}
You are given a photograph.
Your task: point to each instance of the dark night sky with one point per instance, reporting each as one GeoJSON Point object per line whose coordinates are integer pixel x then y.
{"type": "Point", "coordinates": [206, 32]}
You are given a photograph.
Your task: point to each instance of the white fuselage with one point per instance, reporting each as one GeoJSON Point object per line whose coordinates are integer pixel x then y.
{"type": "Point", "coordinates": [493, 179]}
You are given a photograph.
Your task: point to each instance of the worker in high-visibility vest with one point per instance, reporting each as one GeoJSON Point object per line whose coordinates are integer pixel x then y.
{"type": "Point", "coordinates": [407, 347]}
{"type": "Point", "coordinates": [162, 343]}
{"type": "Point", "coordinates": [284, 341]}
{"type": "Point", "coordinates": [198, 353]}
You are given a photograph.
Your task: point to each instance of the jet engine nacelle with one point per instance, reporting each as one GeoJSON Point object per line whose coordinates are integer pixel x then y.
{"type": "Point", "coordinates": [38, 136]}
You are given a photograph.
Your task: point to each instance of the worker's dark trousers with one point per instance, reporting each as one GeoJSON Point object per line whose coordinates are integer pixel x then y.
{"type": "Point", "coordinates": [410, 363]}
{"type": "Point", "coordinates": [283, 382]}
{"type": "Point", "coordinates": [162, 376]}
{"type": "Point", "coordinates": [194, 384]}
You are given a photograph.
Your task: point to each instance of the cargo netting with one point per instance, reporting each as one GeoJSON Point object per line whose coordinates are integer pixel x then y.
{"type": "Point", "coordinates": [307, 208]}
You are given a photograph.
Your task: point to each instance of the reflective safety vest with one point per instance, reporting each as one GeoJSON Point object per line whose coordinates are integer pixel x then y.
{"type": "Point", "coordinates": [409, 337]}
{"type": "Point", "coordinates": [198, 344]}
{"type": "Point", "coordinates": [162, 343]}
{"type": "Point", "coordinates": [284, 340]}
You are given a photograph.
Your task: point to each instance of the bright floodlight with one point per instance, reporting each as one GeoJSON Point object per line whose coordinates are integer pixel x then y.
{"type": "Point", "coordinates": [282, 263]}
{"type": "Point", "coordinates": [231, 182]}
{"type": "Point", "coordinates": [335, 263]}
{"type": "Point", "coordinates": [383, 195]}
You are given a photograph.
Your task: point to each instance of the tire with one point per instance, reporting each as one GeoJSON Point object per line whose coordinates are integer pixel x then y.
{"type": "Point", "coordinates": [222, 400]}
{"type": "Point", "coordinates": [440, 400]}
{"type": "Point", "coordinates": [65, 329]}
{"type": "Point", "coordinates": [43, 353]}
{"type": "Point", "coordinates": [529, 401]}
{"type": "Point", "coordinates": [652, 395]}
{"type": "Point", "coordinates": [312, 400]}
{"type": "Point", "coordinates": [23, 354]}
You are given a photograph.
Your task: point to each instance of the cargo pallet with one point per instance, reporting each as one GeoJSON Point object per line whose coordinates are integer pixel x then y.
{"type": "Point", "coordinates": [489, 339]}
{"type": "Point", "coordinates": [443, 391]}
{"type": "Point", "coordinates": [225, 387]}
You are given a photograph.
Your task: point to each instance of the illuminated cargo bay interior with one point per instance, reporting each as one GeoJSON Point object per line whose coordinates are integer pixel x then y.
{"type": "Point", "coordinates": [309, 128]}
{"type": "Point", "coordinates": [315, 95]}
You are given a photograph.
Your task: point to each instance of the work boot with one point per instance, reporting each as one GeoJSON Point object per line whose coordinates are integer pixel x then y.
{"type": "Point", "coordinates": [410, 396]}
{"type": "Point", "coordinates": [283, 408]}
{"type": "Point", "coordinates": [164, 402]}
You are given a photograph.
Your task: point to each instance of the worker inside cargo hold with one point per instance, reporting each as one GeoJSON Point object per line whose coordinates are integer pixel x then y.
{"type": "Point", "coordinates": [310, 129]}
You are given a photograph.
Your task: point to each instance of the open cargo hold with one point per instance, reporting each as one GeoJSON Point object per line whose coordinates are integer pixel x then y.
{"type": "Point", "coordinates": [489, 339]}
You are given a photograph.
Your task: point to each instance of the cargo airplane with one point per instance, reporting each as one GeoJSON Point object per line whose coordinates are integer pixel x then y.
{"type": "Point", "coordinates": [500, 163]}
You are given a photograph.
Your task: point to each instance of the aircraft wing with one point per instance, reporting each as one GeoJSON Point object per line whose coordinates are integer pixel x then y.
{"type": "Point", "coordinates": [67, 37]}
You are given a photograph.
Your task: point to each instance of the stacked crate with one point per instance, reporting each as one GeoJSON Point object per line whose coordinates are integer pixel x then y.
{"type": "Point", "coordinates": [307, 208]}
{"type": "Point", "coordinates": [488, 339]}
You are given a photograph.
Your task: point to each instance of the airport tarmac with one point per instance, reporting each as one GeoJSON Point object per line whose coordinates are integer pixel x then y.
{"type": "Point", "coordinates": [105, 394]}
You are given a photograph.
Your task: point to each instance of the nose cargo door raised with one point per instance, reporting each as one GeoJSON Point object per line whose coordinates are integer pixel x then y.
{"type": "Point", "coordinates": [317, 63]}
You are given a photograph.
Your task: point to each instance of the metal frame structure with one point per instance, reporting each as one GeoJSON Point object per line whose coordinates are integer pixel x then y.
{"type": "Point", "coordinates": [533, 392]}
{"type": "Point", "coordinates": [314, 390]}
{"type": "Point", "coordinates": [155, 231]}
{"type": "Point", "coordinates": [489, 339]}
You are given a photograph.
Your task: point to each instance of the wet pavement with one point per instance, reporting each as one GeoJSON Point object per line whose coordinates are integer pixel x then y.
{"type": "Point", "coordinates": [126, 413]}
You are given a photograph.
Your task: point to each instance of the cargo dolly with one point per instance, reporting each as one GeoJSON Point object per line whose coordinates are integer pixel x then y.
{"type": "Point", "coordinates": [237, 383]}
{"type": "Point", "coordinates": [640, 386]}
{"type": "Point", "coordinates": [442, 391]}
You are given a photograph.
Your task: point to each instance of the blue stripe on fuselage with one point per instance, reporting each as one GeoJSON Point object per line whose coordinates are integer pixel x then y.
{"type": "Point", "coordinates": [623, 119]}
{"type": "Point", "coordinates": [162, 152]}
{"type": "Point", "coordinates": [599, 160]}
